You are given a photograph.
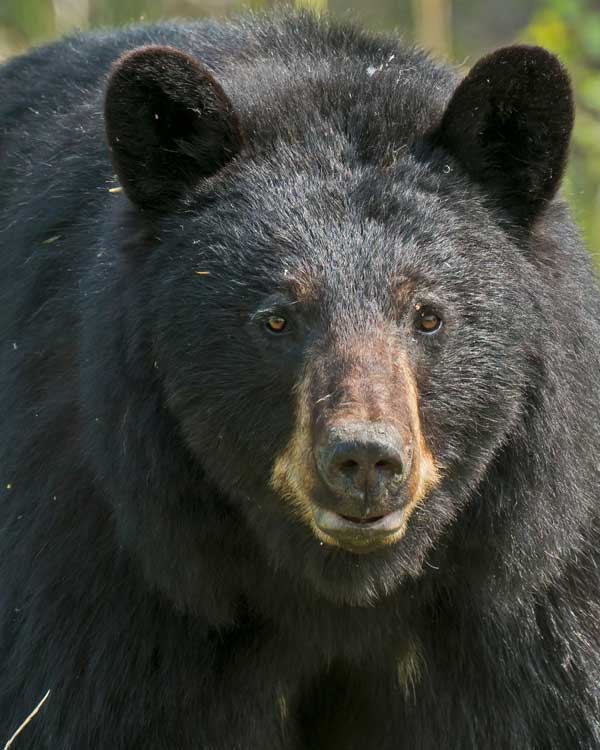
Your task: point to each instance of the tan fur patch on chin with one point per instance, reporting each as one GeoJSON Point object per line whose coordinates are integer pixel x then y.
{"type": "Point", "coordinates": [410, 667]}
{"type": "Point", "coordinates": [332, 542]}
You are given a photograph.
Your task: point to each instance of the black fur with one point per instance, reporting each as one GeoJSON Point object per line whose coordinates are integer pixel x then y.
{"type": "Point", "coordinates": [168, 123]}
{"type": "Point", "coordinates": [509, 125]}
{"type": "Point", "coordinates": [151, 577]}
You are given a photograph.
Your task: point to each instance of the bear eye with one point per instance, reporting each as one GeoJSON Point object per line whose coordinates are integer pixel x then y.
{"type": "Point", "coordinates": [275, 324]}
{"type": "Point", "coordinates": [427, 320]}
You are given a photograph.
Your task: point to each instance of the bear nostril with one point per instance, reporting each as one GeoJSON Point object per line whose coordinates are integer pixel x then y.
{"type": "Point", "coordinates": [361, 459]}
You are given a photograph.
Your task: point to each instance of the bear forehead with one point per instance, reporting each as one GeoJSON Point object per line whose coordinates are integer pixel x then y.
{"type": "Point", "coordinates": [337, 262]}
{"type": "Point", "coordinates": [323, 236]}
{"type": "Point", "coordinates": [388, 99]}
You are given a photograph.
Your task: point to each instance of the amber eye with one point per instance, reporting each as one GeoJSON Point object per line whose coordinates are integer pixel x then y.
{"type": "Point", "coordinates": [275, 324]}
{"type": "Point", "coordinates": [428, 321]}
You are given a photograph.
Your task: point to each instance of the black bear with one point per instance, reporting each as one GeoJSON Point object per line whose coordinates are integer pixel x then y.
{"type": "Point", "coordinates": [299, 397]}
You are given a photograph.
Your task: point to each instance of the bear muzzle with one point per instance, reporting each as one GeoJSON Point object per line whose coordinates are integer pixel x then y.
{"type": "Point", "coordinates": [365, 467]}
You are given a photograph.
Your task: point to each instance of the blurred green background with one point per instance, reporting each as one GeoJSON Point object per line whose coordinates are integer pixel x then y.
{"type": "Point", "coordinates": [458, 29]}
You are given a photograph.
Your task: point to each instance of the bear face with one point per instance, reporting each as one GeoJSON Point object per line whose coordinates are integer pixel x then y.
{"type": "Point", "coordinates": [351, 351]}
{"type": "Point", "coordinates": [340, 330]}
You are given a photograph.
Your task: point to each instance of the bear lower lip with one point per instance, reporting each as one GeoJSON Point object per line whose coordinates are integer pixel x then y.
{"type": "Point", "coordinates": [359, 534]}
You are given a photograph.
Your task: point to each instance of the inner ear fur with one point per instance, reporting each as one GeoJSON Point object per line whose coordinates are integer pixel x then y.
{"type": "Point", "coordinates": [168, 124]}
{"type": "Point", "coordinates": [509, 124]}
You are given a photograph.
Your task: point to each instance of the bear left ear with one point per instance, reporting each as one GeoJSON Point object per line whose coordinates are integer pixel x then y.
{"type": "Point", "coordinates": [168, 123]}
{"type": "Point", "coordinates": [509, 123]}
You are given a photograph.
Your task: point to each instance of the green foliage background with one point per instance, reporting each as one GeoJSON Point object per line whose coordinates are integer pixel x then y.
{"type": "Point", "coordinates": [571, 28]}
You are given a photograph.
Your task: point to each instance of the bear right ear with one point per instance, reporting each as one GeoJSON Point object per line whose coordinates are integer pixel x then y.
{"type": "Point", "coordinates": [168, 124]}
{"type": "Point", "coordinates": [509, 123]}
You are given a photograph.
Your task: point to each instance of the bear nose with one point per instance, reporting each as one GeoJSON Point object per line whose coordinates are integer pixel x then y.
{"type": "Point", "coordinates": [364, 463]}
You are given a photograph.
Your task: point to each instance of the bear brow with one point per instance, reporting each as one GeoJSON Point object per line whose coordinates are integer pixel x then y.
{"type": "Point", "coordinates": [404, 289]}
{"type": "Point", "coordinates": [300, 288]}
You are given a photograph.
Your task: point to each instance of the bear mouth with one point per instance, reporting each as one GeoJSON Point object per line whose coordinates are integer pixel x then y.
{"type": "Point", "coordinates": [358, 534]}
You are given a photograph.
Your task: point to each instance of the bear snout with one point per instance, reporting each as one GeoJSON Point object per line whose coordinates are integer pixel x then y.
{"type": "Point", "coordinates": [365, 465]}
